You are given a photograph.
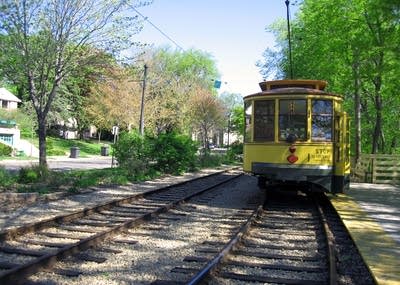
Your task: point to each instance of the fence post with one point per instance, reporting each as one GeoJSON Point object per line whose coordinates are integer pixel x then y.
{"type": "Point", "coordinates": [373, 170]}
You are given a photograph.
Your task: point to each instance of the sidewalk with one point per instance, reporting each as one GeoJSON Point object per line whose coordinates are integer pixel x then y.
{"type": "Point", "coordinates": [382, 203]}
{"type": "Point", "coordinates": [60, 162]}
{"type": "Point", "coordinates": [371, 213]}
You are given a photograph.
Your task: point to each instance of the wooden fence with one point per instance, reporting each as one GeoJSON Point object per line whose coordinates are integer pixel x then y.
{"type": "Point", "coordinates": [377, 168]}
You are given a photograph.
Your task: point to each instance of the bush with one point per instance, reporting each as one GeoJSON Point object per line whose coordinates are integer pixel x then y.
{"type": "Point", "coordinates": [32, 174]}
{"type": "Point", "coordinates": [168, 153]}
{"type": "Point", "coordinates": [27, 175]}
{"type": "Point", "coordinates": [174, 153]}
{"type": "Point", "coordinates": [5, 150]}
{"type": "Point", "coordinates": [210, 160]}
{"type": "Point", "coordinates": [6, 179]}
{"type": "Point", "coordinates": [235, 151]}
{"type": "Point", "coordinates": [132, 152]}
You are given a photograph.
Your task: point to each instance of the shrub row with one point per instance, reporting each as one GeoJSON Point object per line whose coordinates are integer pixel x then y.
{"type": "Point", "coordinates": [168, 153]}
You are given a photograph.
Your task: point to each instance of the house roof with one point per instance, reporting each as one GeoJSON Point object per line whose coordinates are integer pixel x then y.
{"type": "Point", "coordinates": [8, 96]}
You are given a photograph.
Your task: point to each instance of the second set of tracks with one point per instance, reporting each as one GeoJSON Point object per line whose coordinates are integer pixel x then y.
{"type": "Point", "coordinates": [70, 234]}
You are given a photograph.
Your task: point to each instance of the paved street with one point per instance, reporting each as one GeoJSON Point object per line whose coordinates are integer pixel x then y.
{"type": "Point", "coordinates": [61, 162]}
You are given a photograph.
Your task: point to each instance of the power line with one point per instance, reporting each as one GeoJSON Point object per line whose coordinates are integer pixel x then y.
{"type": "Point", "coordinates": [169, 38]}
{"type": "Point", "coordinates": [157, 28]}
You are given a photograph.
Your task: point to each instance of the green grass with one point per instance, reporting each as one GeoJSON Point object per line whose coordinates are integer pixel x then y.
{"type": "Point", "coordinates": [34, 179]}
{"type": "Point", "coordinates": [61, 147]}
{"type": "Point", "coordinates": [58, 146]}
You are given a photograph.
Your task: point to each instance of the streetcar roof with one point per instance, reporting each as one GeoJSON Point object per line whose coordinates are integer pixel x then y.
{"type": "Point", "coordinates": [292, 87]}
{"type": "Point", "coordinates": [289, 83]}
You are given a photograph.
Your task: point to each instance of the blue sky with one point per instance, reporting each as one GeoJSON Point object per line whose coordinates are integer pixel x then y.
{"type": "Point", "coordinates": [232, 31]}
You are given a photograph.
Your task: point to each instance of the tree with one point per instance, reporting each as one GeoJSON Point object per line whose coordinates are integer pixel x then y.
{"type": "Point", "coordinates": [47, 41]}
{"type": "Point", "coordinates": [354, 45]}
{"type": "Point", "coordinates": [207, 114]}
{"type": "Point", "coordinates": [230, 102]}
{"type": "Point", "coordinates": [238, 120]}
{"type": "Point", "coordinates": [172, 80]}
{"type": "Point", "coordinates": [114, 99]}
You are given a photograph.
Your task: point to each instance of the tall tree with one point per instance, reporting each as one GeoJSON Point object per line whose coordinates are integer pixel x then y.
{"type": "Point", "coordinates": [354, 45]}
{"type": "Point", "coordinates": [114, 99]}
{"type": "Point", "coordinates": [230, 102]}
{"type": "Point", "coordinates": [207, 114]}
{"type": "Point", "coordinates": [48, 38]}
{"type": "Point", "coordinates": [172, 79]}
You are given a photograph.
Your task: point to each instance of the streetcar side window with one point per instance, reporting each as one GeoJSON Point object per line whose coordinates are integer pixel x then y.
{"type": "Point", "coordinates": [322, 117]}
{"type": "Point", "coordinates": [247, 121]}
{"type": "Point", "coordinates": [264, 120]}
{"type": "Point", "coordinates": [293, 119]}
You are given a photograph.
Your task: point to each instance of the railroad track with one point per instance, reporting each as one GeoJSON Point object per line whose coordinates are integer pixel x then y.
{"type": "Point", "coordinates": [36, 247]}
{"type": "Point", "coordinates": [287, 242]}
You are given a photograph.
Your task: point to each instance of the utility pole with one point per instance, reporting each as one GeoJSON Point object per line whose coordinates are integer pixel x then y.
{"type": "Point", "coordinates": [290, 43]}
{"type": "Point", "coordinates": [142, 103]}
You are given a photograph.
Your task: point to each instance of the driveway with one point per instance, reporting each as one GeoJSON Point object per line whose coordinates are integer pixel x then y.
{"type": "Point", "coordinates": [60, 162]}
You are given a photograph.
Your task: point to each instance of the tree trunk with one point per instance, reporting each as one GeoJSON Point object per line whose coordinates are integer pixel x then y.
{"type": "Point", "coordinates": [42, 141]}
{"type": "Point", "coordinates": [378, 140]}
{"type": "Point", "coordinates": [357, 106]}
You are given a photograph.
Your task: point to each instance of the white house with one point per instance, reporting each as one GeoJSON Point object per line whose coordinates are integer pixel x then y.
{"type": "Point", "coordinates": [8, 100]}
{"type": "Point", "coordinates": [9, 132]}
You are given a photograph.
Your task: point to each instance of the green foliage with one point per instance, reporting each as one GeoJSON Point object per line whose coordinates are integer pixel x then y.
{"type": "Point", "coordinates": [5, 150]}
{"type": "Point", "coordinates": [354, 45]}
{"type": "Point", "coordinates": [209, 159]}
{"type": "Point", "coordinates": [44, 55]}
{"type": "Point", "coordinates": [237, 120]}
{"type": "Point", "coordinates": [32, 174]}
{"type": "Point", "coordinates": [235, 151]}
{"type": "Point", "coordinates": [6, 178]}
{"type": "Point", "coordinates": [174, 153]}
{"type": "Point", "coordinates": [174, 78]}
{"type": "Point", "coordinates": [27, 175]}
{"type": "Point", "coordinates": [132, 152]}
{"type": "Point", "coordinates": [59, 146]}
{"type": "Point", "coordinates": [26, 123]}
{"type": "Point", "coordinates": [142, 155]}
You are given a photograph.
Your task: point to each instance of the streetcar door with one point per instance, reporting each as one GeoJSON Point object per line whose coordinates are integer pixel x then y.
{"type": "Point", "coordinates": [341, 153]}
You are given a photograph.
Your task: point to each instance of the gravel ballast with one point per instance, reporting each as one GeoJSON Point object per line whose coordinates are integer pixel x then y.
{"type": "Point", "coordinates": [160, 248]}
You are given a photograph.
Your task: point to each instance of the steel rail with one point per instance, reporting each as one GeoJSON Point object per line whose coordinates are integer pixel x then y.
{"type": "Point", "coordinates": [17, 274]}
{"type": "Point", "coordinates": [211, 265]}
{"type": "Point", "coordinates": [330, 246]}
{"type": "Point", "coordinates": [12, 233]}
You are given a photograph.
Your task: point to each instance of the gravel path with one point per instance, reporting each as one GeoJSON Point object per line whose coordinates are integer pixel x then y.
{"type": "Point", "coordinates": [16, 214]}
{"type": "Point", "coordinates": [161, 244]}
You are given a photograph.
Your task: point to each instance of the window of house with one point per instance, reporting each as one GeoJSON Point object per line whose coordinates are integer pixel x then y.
{"type": "Point", "coordinates": [6, 138]}
{"type": "Point", "coordinates": [4, 104]}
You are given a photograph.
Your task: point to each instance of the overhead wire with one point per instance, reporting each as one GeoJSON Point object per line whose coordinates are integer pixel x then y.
{"type": "Point", "coordinates": [164, 34]}
{"type": "Point", "coordinates": [157, 28]}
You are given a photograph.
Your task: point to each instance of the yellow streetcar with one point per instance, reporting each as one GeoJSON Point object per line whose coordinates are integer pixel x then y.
{"type": "Point", "coordinates": [297, 133]}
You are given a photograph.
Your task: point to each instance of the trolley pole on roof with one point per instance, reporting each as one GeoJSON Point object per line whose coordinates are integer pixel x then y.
{"type": "Point", "coordinates": [142, 102]}
{"type": "Point", "coordinates": [289, 40]}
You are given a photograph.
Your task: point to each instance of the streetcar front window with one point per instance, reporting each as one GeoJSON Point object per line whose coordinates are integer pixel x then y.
{"type": "Point", "coordinates": [293, 120]}
{"type": "Point", "coordinates": [264, 120]}
{"type": "Point", "coordinates": [247, 117]}
{"type": "Point", "coordinates": [322, 118]}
